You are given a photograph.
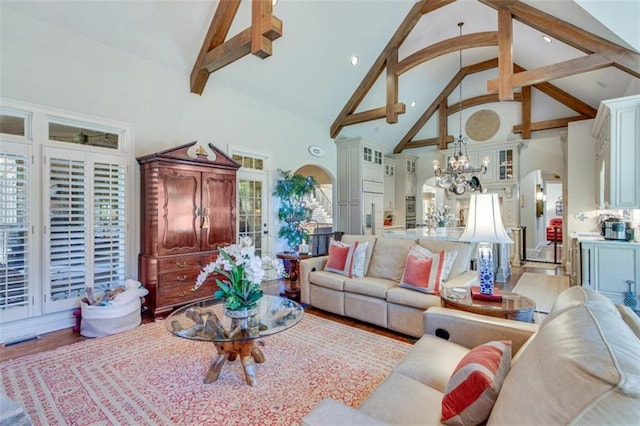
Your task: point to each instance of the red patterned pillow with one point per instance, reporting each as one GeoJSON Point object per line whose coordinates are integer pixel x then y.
{"type": "Point", "coordinates": [475, 383]}
{"type": "Point", "coordinates": [423, 270]}
{"type": "Point", "coordinates": [341, 257]}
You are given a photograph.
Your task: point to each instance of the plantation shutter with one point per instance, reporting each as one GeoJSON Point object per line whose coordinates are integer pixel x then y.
{"type": "Point", "coordinates": [14, 231]}
{"type": "Point", "coordinates": [87, 225]}
{"type": "Point", "coordinates": [67, 228]}
{"type": "Point", "coordinates": [109, 226]}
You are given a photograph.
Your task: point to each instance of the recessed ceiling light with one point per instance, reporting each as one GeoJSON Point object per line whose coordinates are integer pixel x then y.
{"type": "Point", "coordinates": [355, 60]}
{"type": "Point", "coordinates": [546, 38]}
{"type": "Point", "coordinates": [413, 104]}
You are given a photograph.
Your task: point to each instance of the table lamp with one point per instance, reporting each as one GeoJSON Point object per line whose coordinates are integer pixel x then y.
{"type": "Point", "coordinates": [484, 226]}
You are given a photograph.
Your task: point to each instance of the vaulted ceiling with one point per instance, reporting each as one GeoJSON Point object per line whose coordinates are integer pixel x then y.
{"type": "Point", "coordinates": [309, 72]}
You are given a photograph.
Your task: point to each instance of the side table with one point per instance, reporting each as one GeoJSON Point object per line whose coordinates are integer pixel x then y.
{"type": "Point", "coordinates": [513, 306]}
{"type": "Point", "coordinates": [293, 291]}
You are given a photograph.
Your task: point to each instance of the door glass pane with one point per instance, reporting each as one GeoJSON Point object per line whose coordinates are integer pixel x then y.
{"type": "Point", "coordinates": [67, 228]}
{"type": "Point", "coordinates": [14, 226]}
{"type": "Point", "coordinates": [250, 211]}
{"type": "Point", "coordinates": [82, 136]}
{"type": "Point", "coordinates": [109, 226]}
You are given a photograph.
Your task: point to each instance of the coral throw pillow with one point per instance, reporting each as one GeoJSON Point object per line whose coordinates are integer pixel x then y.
{"type": "Point", "coordinates": [341, 257]}
{"type": "Point", "coordinates": [475, 383]}
{"type": "Point", "coordinates": [423, 270]}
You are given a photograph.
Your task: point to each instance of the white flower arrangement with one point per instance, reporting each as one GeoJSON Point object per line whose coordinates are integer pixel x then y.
{"type": "Point", "coordinates": [244, 272]}
{"type": "Point", "coordinates": [439, 215]}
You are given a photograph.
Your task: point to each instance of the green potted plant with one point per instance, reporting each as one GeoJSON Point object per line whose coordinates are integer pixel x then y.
{"type": "Point", "coordinates": [291, 188]}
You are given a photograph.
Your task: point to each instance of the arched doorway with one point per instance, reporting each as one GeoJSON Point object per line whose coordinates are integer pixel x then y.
{"type": "Point", "coordinates": [320, 227]}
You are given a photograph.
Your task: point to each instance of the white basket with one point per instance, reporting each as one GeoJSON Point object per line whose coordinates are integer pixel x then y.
{"type": "Point", "coordinates": [110, 319]}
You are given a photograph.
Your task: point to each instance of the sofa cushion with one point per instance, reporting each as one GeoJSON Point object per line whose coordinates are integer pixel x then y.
{"type": "Point", "coordinates": [389, 258]}
{"type": "Point", "coordinates": [370, 239]}
{"type": "Point", "coordinates": [631, 318]}
{"type": "Point", "coordinates": [462, 261]}
{"type": "Point", "coordinates": [341, 257]}
{"type": "Point", "coordinates": [404, 296]}
{"type": "Point", "coordinates": [327, 279]}
{"type": "Point", "coordinates": [431, 361]}
{"type": "Point", "coordinates": [475, 383]}
{"type": "Point", "coordinates": [368, 286]}
{"type": "Point", "coordinates": [582, 367]}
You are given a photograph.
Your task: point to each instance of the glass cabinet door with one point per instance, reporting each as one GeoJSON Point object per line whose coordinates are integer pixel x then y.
{"type": "Point", "coordinates": [505, 164]}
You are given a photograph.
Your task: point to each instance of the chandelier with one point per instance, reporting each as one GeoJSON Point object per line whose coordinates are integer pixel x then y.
{"type": "Point", "coordinates": [460, 175]}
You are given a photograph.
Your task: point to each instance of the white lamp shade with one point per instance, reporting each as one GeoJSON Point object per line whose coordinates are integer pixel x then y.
{"type": "Point", "coordinates": [484, 223]}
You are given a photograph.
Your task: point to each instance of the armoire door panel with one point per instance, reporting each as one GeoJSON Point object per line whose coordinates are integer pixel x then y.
{"type": "Point", "coordinates": [219, 201]}
{"type": "Point", "coordinates": [178, 212]}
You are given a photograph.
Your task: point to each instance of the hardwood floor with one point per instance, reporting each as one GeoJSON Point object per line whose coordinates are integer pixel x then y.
{"type": "Point", "coordinates": [59, 338]}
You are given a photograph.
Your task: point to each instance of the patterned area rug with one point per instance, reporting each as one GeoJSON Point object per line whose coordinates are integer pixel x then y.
{"type": "Point", "coordinates": [147, 376]}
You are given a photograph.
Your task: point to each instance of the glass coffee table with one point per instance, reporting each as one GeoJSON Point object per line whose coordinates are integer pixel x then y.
{"type": "Point", "coordinates": [513, 306]}
{"type": "Point", "coordinates": [234, 337]}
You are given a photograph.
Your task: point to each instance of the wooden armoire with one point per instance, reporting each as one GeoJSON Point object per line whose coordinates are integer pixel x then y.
{"type": "Point", "coordinates": [188, 212]}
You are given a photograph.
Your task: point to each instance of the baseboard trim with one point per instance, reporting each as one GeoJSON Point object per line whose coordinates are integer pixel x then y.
{"type": "Point", "coordinates": [26, 328]}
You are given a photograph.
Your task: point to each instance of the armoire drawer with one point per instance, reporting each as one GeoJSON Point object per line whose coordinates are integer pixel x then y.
{"type": "Point", "coordinates": [182, 263]}
{"type": "Point", "coordinates": [175, 292]}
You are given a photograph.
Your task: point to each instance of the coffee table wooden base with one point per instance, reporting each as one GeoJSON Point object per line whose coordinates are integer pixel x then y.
{"type": "Point", "coordinates": [249, 354]}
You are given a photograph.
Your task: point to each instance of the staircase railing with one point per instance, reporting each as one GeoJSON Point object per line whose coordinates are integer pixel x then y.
{"type": "Point", "coordinates": [324, 201]}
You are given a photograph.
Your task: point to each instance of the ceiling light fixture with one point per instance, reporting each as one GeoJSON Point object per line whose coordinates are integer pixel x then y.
{"type": "Point", "coordinates": [413, 104]}
{"type": "Point", "coordinates": [547, 38]}
{"type": "Point", "coordinates": [355, 60]}
{"type": "Point", "coordinates": [454, 178]}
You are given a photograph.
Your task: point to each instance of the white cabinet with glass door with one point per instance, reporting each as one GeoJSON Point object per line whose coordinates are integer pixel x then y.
{"type": "Point", "coordinates": [389, 184]}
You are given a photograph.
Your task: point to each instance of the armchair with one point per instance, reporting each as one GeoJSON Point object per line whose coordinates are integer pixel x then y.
{"type": "Point", "coordinates": [555, 222]}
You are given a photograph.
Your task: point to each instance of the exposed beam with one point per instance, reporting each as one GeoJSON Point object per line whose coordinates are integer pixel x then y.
{"type": "Point", "coordinates": [624, 59]}
{"type": "Point", "coordinates": [419, 143]}
{"type": "Point", "coordinates": [392, 87]}
{"type": "Point", "coordinates": [505, 55]}
{"type": "Point", "coordinates": [374, 72]}
{"type": "Point", "coordinates": [489, 38]}
{"type": "Point", "coordinates": [218, 30]}
{"type": "Point", "coordinates": [260, 44]}
{"type": "Point", "coordinates": [443, 128]}
{"type": "Point", "coordinates": [372, 114]}
{"type": "Point", "coordinates": [449, 88]}
{"type": "Point", "coordinates": [479, 100]}
{"type": "Point", "coordinates": [552, 72]}
{"type": "Point", "coordinates": [526, 112]}
{"type": "Point", "coordinates": [551, 124]}
{"type": "Point", "coordinates": [561, 96]}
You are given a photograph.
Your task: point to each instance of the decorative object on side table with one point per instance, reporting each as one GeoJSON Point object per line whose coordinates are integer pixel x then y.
{"type": "Point", "coordinates": [438, 218]}
{"type": "Point", "coordinates": [630, 297]}
{"type": "Point", "coordinates": [244, 272]}
{"type": "Point", "coordinates": [485, 227]}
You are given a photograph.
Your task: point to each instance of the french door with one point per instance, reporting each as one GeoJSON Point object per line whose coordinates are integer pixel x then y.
{"type": "Point", "coordinates": [253, 207]}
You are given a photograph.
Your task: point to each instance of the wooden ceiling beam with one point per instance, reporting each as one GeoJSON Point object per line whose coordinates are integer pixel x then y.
{"type": "Point", "coordinates": [561, 96]}
{"type": "Point", "coordinates": [392, 87]}
{"type": "Point", "coordinates": [218, 30]}
{"type": "Point", "coordinates": [526, 112]}
{"type": "Point", "coordinates": [454, 44]}
{"type": "Point", "coordinates": [479, 100]}
{"type": "Point", "coordinates": [217, 53]}
{"type": "Point", "coordinates": [625, 59]}
{"type": "Point", "coordinates": [551, 72]}
{"type": "Point", "coordinates": [372, 114]}
{"type": "Point", "coordinates": [444, 94]}
{"type": "Point", "coordinates": [419, 143]}
{"type": "Point", "coordinates": [409, 22]}
{"type": "Point", "coordinates": [505, 55]}
{"type": "Point", "coordinates": [550, 124]}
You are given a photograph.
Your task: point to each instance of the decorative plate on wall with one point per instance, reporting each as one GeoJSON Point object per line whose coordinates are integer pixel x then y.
{"type": "Point", "coordinates": [316, 151]}
{"type": "Point", "coordinates": [482, 125]}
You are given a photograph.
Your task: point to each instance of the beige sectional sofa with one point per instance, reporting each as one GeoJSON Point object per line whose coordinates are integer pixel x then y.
{"type": "Point", "coordinates": [580, 366]}
{"type": "Point", "coordinates": [377, 298]}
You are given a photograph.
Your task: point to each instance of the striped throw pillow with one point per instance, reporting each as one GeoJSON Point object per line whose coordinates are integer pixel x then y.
{"type": "Point", "coordinates": [475, 383]}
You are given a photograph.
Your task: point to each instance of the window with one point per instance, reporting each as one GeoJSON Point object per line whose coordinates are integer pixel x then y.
{"type": "Point", "coordinates": [248, 161]}
{"type": "Point", "coordinates": [65, 203]}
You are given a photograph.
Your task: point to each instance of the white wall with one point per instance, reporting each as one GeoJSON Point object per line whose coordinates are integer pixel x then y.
{"type": "Point", "coordinates": [49, 66]}
{"type": "Point", "coordinates": [581, 179]}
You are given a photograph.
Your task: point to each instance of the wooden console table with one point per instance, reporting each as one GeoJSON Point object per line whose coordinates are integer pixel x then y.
{"type": "Point", "coordinates": [513, 306]}
{"type": "Point", "coordinates": [293, 291]}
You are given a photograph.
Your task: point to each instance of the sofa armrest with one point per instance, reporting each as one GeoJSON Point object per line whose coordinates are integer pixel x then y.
{"type": "Point", "coordinates": [335, 413]}
{"type": "Point", "coordinates": [470, 330]}
{"type": "Point", "coordinates": [306, 267]}
{"type": "Point", "coordinates": [465, 279]}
